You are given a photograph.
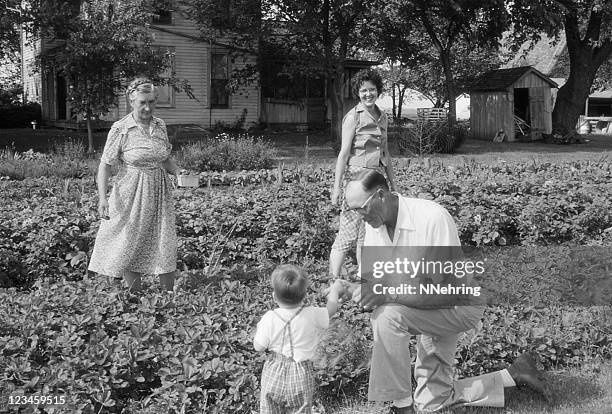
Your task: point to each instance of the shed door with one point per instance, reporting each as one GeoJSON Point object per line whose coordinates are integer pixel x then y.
{"type": "Point", "coordinates": [539, 109]}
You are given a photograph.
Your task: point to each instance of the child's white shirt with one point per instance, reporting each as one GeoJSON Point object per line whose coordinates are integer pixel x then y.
{"type": "Point", "coordinates": [306, 330]}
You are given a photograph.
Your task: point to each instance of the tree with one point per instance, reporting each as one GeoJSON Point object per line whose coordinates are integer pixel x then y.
{"type": "Point", "coordinates": [97, 46]}
{"type": "Point", "coordinates": [10, 19]}
{"type": "Point", "coordinates": [317, 35]}
{"type": "Point", "coordinates": [236, 24]}
{"type": "Point", "coordinates": [322, 35]}
{"type": "Point", "coordinates": [407, 30]}
{"type": "Point", "coordinates": [397, 78]}
{"type": "Point", "coordinates": [428, 78]}
{"type": "Point", "coordinates": [588, 31]}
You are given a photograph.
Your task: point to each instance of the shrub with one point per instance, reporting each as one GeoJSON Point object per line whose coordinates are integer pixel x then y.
{"type": "Point", "coordinates": [67, 160]}
{"type": "Point", "coordinates": [20, 115]}
{"type": "Point", "coordinates": [431, 137]}
{"type": "Point", "coordinates": [69, 148]}
{"type": "Point", "coordinates": [226, 153]}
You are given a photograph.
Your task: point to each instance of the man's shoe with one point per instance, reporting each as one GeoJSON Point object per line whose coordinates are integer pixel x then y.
{"type": "Point", "coordinates": [403, 410]}
{"type": "Point", "coordinates": [525, 372]}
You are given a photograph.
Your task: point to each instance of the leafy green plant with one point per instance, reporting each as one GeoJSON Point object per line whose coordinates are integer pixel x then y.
{"type": "Point", "coordinates": [192, 351]}
{"type": "Point", "coordinates": [65, 161]}
{"type": "Point", "coordinates": [51, 224]}
{"type": "Point", "coordinates": [227, 152]}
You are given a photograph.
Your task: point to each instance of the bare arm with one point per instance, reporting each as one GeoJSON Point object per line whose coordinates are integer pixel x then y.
{"type": "Point", "coordinates": [335, 295]}
{"type": "Point", "coordinates": [348, 133]}
{"type": "Point", "coordinates": [104, 172]}
{"type": "Point", "coordinates": [389, 167]}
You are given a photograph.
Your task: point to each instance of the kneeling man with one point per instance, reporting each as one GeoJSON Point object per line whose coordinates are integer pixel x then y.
{"type": "Point", "coordinates": [394, 220]}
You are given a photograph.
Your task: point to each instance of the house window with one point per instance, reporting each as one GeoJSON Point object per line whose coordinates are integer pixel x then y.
{"type": "Point", "coordinates": [165, 97]}
{"type": "Point", "coordinates": [162, 16]}
{"type": "Point", "coordinates": [219, 94]}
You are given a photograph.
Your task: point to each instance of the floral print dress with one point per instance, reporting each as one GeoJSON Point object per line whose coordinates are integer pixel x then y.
{"type": "Point", "coordinates": [140, 235]}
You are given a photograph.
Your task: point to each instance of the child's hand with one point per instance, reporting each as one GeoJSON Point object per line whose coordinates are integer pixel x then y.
{"type": "Point", "coordinates": [340, 290]}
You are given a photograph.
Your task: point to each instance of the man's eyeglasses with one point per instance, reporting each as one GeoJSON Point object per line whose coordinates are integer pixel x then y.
{"type": "Point", "coordinates": [364, 207]}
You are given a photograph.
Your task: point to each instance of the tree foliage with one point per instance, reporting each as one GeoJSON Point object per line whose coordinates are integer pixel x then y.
{"type": "Point", "coordinates": [301, 39]}
{"type": "Point", "coordinates": [427, 76]}
{"type": "Point", "coordinates": [10, 19]}
{"type": "Point", "coordinates": [436, 35]}
{"type": "Point", "coordinates": [587, 25]}
{"type": "Point", "coordinates": [98, 46]}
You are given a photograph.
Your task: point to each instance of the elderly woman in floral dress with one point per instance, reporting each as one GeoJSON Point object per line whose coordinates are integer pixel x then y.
{"type": "Point", "coordinates": [137, 232]}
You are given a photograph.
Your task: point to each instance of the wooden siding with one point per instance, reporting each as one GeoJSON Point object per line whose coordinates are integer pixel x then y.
{"type": "Point", "coordinates": [32, 83]}
{"type": "Point", "coordinates": [192, 62]}
{"type": "Point", "coordinates": [303, 111]}
{"type": "Point", "coordinates": [490, 112]}
{"type": "Point", "coordinates": [540, 109]}
{"type": "Point", "coordinates": [282, 111]}
{"type": "Point", "coordinates": [530, 80]}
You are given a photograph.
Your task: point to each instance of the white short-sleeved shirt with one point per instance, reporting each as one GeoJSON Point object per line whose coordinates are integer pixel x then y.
{"type": "Point", "coordinates": [419, 223]}
{"type": "Point", "coordinates": [305, 330]}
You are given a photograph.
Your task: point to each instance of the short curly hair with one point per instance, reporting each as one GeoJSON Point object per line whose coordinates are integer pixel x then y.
{"type": "Point", "coordinates": [140, 84]}
{"type": "Point", "coordinates": [370, 75]}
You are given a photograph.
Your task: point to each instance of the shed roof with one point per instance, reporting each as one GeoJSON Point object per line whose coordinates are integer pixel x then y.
{"type": "Point", "coordinates": [502, 79]}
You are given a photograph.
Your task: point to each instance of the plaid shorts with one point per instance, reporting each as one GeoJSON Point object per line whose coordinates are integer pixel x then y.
{"type": "Point", "coordinates": [351, 228]}
{"type": "Point", "coordinates": [287, 386]}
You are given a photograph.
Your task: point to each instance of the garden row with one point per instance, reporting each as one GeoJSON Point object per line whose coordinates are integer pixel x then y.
{"type": "Point", "coordinates": [191, 352]}
{"type": "Point", "coordinates": [47, 226]}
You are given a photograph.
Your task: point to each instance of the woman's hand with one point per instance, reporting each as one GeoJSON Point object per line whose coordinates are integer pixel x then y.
{"type": "Point", "coordinates": [335, 195]}
{"type": "Point", "coordinates": [103, 208]}
{"type": "Point", "coordinates": [171, 167]}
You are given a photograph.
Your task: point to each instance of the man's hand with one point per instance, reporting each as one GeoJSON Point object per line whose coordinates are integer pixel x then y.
{"type": "Point", "coordinates": [366, 298]}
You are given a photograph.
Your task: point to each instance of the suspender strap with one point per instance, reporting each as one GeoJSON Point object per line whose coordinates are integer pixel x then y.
{"type": "Point", "coordinates": [286, 329]}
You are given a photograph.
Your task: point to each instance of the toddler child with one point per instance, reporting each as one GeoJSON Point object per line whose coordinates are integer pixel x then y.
{"type": "Point", "coordinates": [292, 333]}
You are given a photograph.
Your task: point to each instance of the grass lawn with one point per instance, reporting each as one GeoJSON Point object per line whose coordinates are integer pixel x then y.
{"type": "Point", "coordinates": [43, 139]}
{"type": "Point", "coordinates": [582, 390]}
{"type": "Point", "coordinates": [292, 146]}
{"type": "Point", "coordinates": [314, 146]}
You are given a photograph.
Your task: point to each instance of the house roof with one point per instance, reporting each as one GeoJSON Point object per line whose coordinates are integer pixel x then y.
{"type": "Point", "coordinates": [543, 55]}
{"type": "Point", "coordinates": [607, 94]}
{"type": "Point", "coordinates": [502, 79]}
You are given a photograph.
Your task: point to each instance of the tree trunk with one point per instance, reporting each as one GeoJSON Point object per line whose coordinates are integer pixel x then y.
{"type": "Point", "coordinates": [90, 145]}
{"type": "Point", "coordinates": [585, 59]}
{"type": "Point", "coordinates": [445, 58]}
{"type": "Point", "coordinates": [402, 92]}
{"type": "Point", "coordinates": [337, 105]}
{"type": "Point", "coordinates": [395, 115]}
{"type": "Point", "coordinates": [570, 101]}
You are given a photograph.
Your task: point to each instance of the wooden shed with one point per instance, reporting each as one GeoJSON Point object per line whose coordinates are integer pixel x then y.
{"type": "Point", "coordinates": [515, 101]}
